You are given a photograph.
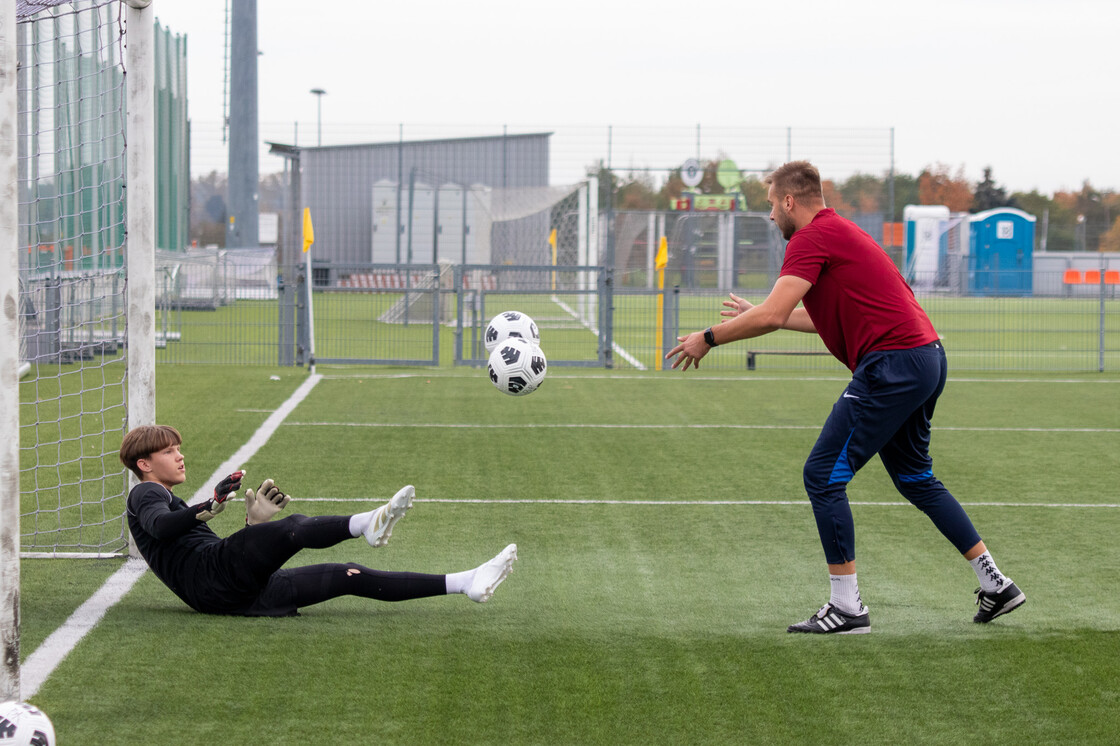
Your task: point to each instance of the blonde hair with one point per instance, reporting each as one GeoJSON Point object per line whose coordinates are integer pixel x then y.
{"type": "Point", "coordinates": [144, 440]}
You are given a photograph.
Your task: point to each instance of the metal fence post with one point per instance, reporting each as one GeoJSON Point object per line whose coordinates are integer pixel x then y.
{"type": "Point", "coordinates": [606, 316]}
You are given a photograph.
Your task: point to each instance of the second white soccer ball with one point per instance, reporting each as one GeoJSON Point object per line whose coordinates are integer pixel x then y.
{"type": "Point", "coordinates": [510, 324]}
{"type": "Point", "coordinates": [516, 367]}
{"type": "Point", "coordinates": [22, 724]}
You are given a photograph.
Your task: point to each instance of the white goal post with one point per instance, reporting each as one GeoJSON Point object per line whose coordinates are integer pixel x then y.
{"type": "Point", "coordinates": [9, 358]}
{"type": "Point", "coordinates": [70, 90]}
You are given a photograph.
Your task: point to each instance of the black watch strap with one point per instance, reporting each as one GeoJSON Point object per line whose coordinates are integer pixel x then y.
{"type": "Point", "coordinates": [709, 337]}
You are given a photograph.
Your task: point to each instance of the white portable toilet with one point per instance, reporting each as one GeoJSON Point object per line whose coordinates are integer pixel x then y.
{"type": "Point", "coordinates": [924, 226]}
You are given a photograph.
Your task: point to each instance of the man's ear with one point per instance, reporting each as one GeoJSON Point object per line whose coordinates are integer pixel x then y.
{"type": "Point", "coordinates": [144, 465]}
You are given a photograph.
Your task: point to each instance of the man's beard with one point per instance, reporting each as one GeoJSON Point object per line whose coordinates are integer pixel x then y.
{"type": "Point", "coordinates": [785, 224]}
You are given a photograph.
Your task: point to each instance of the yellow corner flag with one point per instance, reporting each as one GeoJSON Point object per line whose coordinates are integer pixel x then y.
{"type": "Point", "coordinates": [662, 259]}
{"type": "Point", "coordinates": [308, 230]}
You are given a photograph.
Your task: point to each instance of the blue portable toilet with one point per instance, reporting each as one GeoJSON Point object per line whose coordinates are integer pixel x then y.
{"type": "Point", "coordinates": [1001, 245]}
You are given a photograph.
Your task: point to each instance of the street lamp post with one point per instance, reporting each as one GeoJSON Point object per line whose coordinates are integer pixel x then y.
{"type": "Point", "coordinates": [319, 93]}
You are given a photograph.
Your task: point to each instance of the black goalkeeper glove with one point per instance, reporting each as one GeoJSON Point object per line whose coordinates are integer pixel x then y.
{"type": "Point", "coordinates": [226, 489]}
{"type": "Point", "coordinates": [228, 486]}
{"type": "Point", "coordinates": [208, 509]}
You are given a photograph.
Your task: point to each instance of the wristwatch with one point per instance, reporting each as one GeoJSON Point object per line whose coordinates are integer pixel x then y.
{"type": "Point", "coordinates": [709, 337]}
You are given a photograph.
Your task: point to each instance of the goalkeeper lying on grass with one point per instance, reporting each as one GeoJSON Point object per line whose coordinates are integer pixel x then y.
{"type": "Point", "coordinates": [241, 574]}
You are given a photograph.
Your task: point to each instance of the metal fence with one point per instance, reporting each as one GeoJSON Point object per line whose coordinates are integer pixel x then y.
{"type": "Point", "coordinates": [435, 315]}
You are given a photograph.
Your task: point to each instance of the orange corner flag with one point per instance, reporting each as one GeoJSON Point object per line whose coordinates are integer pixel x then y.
{"type": "Point", "coordinates": [662, 260]}
{"type": "Point", "coordinates": [308, 230]}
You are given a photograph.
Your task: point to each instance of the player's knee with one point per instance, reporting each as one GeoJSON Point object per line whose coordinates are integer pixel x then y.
{"type": "Point", "coordinates": [819, 482]}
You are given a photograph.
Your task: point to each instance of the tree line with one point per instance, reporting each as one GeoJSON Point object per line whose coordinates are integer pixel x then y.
{"type": "Point", "coordinates": [1083, 220]}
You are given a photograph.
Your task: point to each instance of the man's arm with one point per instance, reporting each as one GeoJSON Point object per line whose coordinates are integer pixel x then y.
{"type": "Point", "coordinates": [799, 321]}
{"type": "Point", "coordinates": [778, 311]}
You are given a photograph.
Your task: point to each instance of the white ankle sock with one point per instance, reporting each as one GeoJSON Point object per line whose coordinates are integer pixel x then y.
{"type": "Point", "coordinates": [459, 582]}
{"type": "Point", "coordinates": [991, 580]}
{"type": "Point", "coordinates": [845, 594]}
{"type": "Point", "coordinates": [359, 522]}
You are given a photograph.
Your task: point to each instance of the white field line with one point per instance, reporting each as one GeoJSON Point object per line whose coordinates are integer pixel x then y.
{"type": "Point", "coordinates": [657, 503]}
{"type": "Point", "coordinates": [41, 663]}
{"type": "Point", "coordinates": [675, 426]}
{"type": "Point", "coordinates": [46, 658]}
{"type": "Point", "coordinates": [670, 375]}
{"type": "Point", "coordinates": [591, 328]}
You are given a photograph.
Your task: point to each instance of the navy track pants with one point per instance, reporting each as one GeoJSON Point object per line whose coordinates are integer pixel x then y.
{"type": "Point", "coordinates": [886, 409]}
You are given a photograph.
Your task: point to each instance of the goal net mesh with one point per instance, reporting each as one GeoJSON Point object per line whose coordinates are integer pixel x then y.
{"type": "Point", "coordinates": [71, 148]}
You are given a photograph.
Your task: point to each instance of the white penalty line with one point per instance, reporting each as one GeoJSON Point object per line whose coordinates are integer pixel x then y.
{"type": "Point", "coordinates": [47, 657]}
{"type": "Point", "coordinates": [673, 426]}
{"type": "Point", "coordinates": [802, 503]}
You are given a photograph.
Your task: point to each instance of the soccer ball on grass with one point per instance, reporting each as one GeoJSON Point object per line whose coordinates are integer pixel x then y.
{"type": "Point", "coordinates": [510, 324]}
{"type": "Point", "coordinates": [517, 367]}
{"type": "Point", "coordinates": [22, 724]}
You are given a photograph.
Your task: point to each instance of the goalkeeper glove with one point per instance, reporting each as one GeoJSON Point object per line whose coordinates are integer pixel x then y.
{"type": "Point", "coordinates": [228, 486]}
{"type": "Point", "coordinates": [225, 489]}
{"type": "Point", "coordinates": [208, 510]}
{"type": "Point", "coordinates": [262, 505]}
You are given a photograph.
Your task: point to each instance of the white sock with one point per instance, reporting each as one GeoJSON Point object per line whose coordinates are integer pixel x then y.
{"type": "Point", "coordinates": [991, 580]}
{"type": "Point", "coordinates": [845, 594]}
{"type": "Point", "coordinates": [359, 522]}
{"type": "Point", "coordinates": [459, 582]}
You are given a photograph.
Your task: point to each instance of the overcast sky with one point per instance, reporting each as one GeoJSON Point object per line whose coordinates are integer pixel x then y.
{"type": "Point", "coordinates": [1028, 87]}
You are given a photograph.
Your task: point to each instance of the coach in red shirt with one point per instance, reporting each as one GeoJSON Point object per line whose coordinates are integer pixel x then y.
{"type": "Point", "coordinates": [837, 282]}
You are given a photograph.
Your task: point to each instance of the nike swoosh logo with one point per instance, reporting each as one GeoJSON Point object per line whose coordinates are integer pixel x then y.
{"type": "Point", "coordinates": [846, 395]}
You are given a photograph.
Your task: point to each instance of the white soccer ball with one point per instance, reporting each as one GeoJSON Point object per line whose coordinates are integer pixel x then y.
{"type": "Point", "coordinates": [22, 724]}
{"type": "Point", "coordinates": [510, 324]}
{"type": "Point", "coordinates": [517, 367]}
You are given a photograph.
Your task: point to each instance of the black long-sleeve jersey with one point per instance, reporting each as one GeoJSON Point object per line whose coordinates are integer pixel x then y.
{"type": "Point", "coordinates": [182, 550]}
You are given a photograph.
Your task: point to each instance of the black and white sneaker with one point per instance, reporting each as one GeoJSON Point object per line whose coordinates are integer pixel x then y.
{"type": "Point", "coordinates": [996, 604]}
{"type": "Point", "coordinates": [831, 621]}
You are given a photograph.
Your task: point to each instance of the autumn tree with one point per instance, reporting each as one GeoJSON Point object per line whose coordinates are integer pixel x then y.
{"type": "Point", "coordinates": [863, 192]}
{"type": "Point", "coordinates": [936, 186]}
{"type": "Point", "coordinates": [835, 199]}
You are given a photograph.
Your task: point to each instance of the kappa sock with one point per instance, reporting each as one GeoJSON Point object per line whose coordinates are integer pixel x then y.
{"type": "Point", "coordinates": [991, 579]}
{"type": "Point", "coordinates": [845, 594]}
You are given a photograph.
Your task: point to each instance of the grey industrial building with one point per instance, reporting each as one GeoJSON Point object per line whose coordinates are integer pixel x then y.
{"type": "Point", "coordinates": [409, 198]}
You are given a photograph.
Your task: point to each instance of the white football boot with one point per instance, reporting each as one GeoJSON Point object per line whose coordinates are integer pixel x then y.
{"type": "Point", "coordinates": [490, 575]}
{"type": "Point", "coordinates": [381, 526]}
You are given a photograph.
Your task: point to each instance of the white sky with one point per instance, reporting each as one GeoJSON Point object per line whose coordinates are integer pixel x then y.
{"type": "Point", "coordinates": [1028, 87]}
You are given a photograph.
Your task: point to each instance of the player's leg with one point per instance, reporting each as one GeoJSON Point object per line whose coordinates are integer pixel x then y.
{"type": "Point", "coordinates": [295, 588]}
{"type": "Point", "coordinates": [869, 411]}
{"type": "Point", "coordinates": [827, 471]}
{"type": "Point", "coordinates": [907, 460]}
{"type": "Point", "coordinates": [255, 552]}
{"type": "Point", "coordinates": [377, 525]}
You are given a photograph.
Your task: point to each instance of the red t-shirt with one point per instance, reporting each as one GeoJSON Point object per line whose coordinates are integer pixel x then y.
{"type": "Point", "coordinates": [859, 301]}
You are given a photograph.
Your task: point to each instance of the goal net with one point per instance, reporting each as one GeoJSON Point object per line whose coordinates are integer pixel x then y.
{"type": "Point", "coordinates": [491, 232]}
{"type": "Point", "coordinates": [71, 236]}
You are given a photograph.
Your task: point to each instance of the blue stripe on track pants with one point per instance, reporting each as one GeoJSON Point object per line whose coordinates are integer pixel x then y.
{"type": "Point", "coordinates": [886, 409]}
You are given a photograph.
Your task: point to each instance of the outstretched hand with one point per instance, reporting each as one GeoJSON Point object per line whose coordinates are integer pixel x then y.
{"type": "Point", "coordinates": [223, 491]}
{"type": "Point", "coordinates": [690, 351]}
{"type": "Point", "coordinates": [737, 306]}
{"type": "Point", "coordinates": [208, 510]}
{"type": "Point", "coordinates": [266, 502]}
{"type": "Point", "coordinates": [228, 487]}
